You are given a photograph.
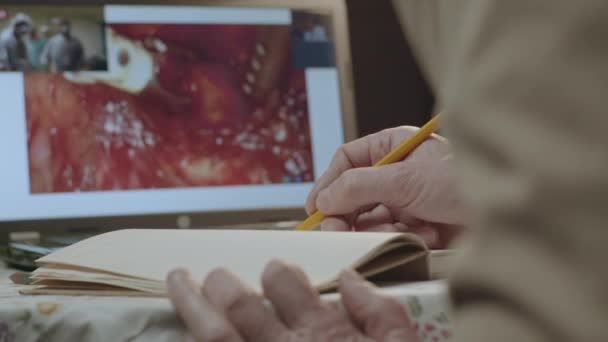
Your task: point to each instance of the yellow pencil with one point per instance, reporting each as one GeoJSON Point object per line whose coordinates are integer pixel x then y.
{"type": "Point", "coordinates": [398, 154]}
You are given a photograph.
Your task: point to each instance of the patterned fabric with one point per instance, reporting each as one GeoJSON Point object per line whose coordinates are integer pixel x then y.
{"type": "Point", "coordinates": [429, 312]}
{"type": "Point", "coordinates": [54, 318]}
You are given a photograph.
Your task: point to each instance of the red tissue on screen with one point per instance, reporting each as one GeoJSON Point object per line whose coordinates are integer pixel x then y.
{"type": "Point", "coordinates": [226, 108]}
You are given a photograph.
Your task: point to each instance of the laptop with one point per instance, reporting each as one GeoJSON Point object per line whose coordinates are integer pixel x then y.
{"type": "Point", "coordinates": [192, 114]}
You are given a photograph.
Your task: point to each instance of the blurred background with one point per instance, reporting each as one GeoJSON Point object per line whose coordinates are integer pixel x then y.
{"type": "Point", "coordinates": [390, 90]}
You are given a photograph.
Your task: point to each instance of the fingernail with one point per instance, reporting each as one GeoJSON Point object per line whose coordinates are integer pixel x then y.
{"type": "Point", "coordinates": [177, 277]}
{"type": "Point", "coordinates": [223, 288]}
{"type": "Point", "coordinates": [353, 284]}
{"type": "Point", "coordinates": [323, 202]}
{"type": "Point", "coordinates": [280, 270]}
{"type": "Point", "coordinates": [180, 281]}
{"type": "Point", "coordinates": [352, 279]}
{"type": "Point", "coordinates": [276, 266]}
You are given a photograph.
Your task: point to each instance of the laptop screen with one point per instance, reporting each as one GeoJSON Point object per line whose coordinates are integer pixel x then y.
{"type": "Point", "coordinates": [131, 110]}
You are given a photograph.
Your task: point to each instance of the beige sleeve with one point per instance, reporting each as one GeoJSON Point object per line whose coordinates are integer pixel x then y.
{"type": "Point", "coordinates": [524, 86]}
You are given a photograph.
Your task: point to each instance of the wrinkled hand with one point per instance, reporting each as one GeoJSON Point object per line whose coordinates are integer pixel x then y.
{"type": "Point", "coordinates": [226, 310]}
{"type": "Point", "coordinates": [417, 195]}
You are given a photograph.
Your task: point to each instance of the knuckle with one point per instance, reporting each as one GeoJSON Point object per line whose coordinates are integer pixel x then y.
{"type": "Point", "coordinates": [386, 131]}
{"type": "Point", "coordinates": [382, 147]}
{"type": "Point", "coordinates": [241, 300]}
{"type": "Point", "coordinates": [341, 153]}
{"type": "Point", "coordinates": [408, 184]}
{"type": "Point", "coordinates": [341, 149]}
{"type": "Point", "coordinates": [386, 135]}
{"type": "Point", "coordinates": [396, 133]}
{"type": "Point", "coordinates": [349, 183]}
{"type": "Point", "coordinates": [342, 158]}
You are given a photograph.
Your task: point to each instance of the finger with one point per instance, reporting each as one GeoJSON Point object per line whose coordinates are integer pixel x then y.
{"type": "Point", "coordinates": [244, 308]}
{"type": "Point", "coordinates": [382, 228]}
{"type": "Point", "coordinates": [344, 223]}
{"type": "Point", "coordinates": [433, 234]}
{"type": "Point", "coordinates": [395, 185]}
{"type": "Point", "coordinates": [291, 294]}
{"type": "Point", "coordinates": [335, 224]}
{"type": "Point", "coordinates": [377, 216]}
{"type": "Point", "coordinates": [363, 152]}
{"type": "Point", "coordinates": [339, 164]}
{"type": "Point", "coordinates": [428, 234]}
{"type": "Point", "coordinates": [201, 318]}
{"type": "Point", "coordinates": [380, 318]}
{"type": "Point", "coordinates": [437, 236]}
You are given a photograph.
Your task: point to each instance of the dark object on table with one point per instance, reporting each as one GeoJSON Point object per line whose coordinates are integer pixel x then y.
{"type": "Point", "coordinates": [23, 256]}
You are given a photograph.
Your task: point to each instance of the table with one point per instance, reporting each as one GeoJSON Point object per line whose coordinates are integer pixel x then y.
{"type": "Point", "coordinates": [83, 319]}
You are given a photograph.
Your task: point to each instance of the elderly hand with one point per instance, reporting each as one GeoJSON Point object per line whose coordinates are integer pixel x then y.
{"type": "Point", "coordinates": [226, 310]}
{"type": "Point", "coordinates": [417, 195]}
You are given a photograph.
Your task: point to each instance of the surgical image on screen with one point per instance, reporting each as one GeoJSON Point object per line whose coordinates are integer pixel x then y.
{"type": "Point", "coordinates": [182, 105]}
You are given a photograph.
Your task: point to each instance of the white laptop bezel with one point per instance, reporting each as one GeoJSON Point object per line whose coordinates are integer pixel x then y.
{"type": "Point", "coordinates": [338, 12]}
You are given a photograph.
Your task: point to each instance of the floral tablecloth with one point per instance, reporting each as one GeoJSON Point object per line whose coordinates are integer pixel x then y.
{"type": "Point", "coordinates": [82, 319]}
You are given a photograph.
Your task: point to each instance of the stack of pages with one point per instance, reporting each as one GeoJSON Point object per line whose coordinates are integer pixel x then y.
{"type": "Point", "coordinates": [136, 262]}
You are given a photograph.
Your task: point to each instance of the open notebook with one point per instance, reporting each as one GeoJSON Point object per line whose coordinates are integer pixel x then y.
{"type": "Point", "coordinates": [136, 262]}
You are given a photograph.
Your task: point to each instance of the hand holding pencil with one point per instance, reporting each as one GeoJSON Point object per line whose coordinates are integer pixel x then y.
{"type": "Point", "coordinates": [356, 196]}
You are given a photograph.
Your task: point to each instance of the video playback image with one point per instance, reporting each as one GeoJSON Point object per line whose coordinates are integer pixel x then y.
{"type": "Point", "coordinates": [181, 106]}
{"type": "Point", "coordinates": [52, 39]}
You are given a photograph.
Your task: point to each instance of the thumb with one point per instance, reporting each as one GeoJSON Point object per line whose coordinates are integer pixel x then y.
{"type": "Point", "coordinates": [394, 185]}
{"type": "Point", "coordinates": [380, 318]}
